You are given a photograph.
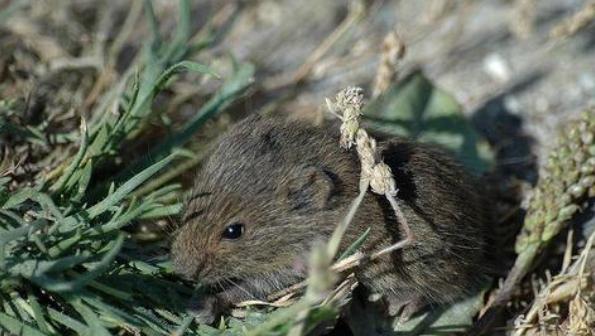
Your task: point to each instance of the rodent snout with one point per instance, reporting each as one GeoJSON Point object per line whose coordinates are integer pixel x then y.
{"type": "Point", "coordinates": [185, 269]}
{"type": "Point", "coordinates": [189, 265]}
{"type": "Point", "coordinates": [189, 268]}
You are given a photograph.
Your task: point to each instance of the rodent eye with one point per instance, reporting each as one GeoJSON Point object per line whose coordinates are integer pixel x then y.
{"type": "Point", "coordinates": [233, 231]}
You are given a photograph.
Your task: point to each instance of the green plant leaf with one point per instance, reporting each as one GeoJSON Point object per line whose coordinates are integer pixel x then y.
{"type": "Point", "coordinates": [355, 245]}
{"type": "Point", "coordinates": [441, 320]}
{"type": "Point", "coordinates": [448, 319]}
{"type": "Point", "coordinates": [181, 66]}
{"type": "Point", "coordinates": [74, 165]}
{"type": "Point", "coordinates": [232, 88]}
{"type": "Point", "coordinates": [16, 327]}
{"type": "Point", "coordinates": [38, 313]}
{"type": "Point", "coordinates": [92, 320]}
{"type": "Point", "coordinates": [123, 191]}
{"type": "Point", "coordinates": [417, 109]}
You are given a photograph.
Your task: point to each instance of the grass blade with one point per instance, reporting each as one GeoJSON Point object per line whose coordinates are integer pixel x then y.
{"type": "Point", "coordinates": [68, 173]}
{"type": "Point", "coordinates": [120, 193]}
{"type": "Point", "coordinates": [17, 327]}
{"type": "Point", "coordinates": [355, 245]}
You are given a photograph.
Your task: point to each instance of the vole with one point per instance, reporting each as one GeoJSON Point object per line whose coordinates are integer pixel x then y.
{"type": "Point", "coordinates": [270, 189]}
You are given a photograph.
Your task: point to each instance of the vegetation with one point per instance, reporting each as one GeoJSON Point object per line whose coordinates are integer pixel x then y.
{"type": "Point", "coordinates": [96, 152]}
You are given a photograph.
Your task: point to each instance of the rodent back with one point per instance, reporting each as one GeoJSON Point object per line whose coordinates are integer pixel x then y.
{"type": "Point", "coordinates": [448, 215]}
{"type": "Point", "coordinates": [259, 153]}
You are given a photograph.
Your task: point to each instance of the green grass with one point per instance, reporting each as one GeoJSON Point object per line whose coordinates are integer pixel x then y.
{"type": "Point", "coordinates": [66, 265]}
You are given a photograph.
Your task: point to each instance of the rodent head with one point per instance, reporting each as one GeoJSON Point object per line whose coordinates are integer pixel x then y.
{"type": "Point", "coordinates": [258, 205]}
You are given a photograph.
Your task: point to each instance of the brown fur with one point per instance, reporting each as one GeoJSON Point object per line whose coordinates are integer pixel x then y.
{"type": "Point", "coordinates": [290, 184]}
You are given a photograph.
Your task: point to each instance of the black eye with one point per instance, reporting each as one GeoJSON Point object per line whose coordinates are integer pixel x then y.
{"type": "Point", "coordinates": [233, 231]}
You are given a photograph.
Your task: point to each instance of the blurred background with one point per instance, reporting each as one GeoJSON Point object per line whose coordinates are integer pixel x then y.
{"type": "Point", "coordinates": [521, 64]}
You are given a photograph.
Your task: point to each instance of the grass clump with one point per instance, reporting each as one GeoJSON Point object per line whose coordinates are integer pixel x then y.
{"type": "Point", "coordinates": [66, 263]}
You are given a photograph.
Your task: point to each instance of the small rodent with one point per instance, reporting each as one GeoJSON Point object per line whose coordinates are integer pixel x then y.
{"type": "Point", "coordinates": [270, 189]}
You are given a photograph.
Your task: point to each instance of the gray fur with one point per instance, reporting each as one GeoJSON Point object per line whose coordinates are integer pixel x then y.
{"type": "Point", "coordinates": [291, 184]}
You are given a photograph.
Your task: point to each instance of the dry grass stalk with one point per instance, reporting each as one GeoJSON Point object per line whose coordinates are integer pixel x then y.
{"type": "Point", "coordinates": [576, 22]}
{"type": "Point", "coordinates": [357, 10]}
{"type": "Point", "coordinates": [581, 317]}
{"type": "Point", "coordinates": [393, 51]}
{"type": "Point", "coordinates": [523, 17]}
{"type": "Point", "coordinates": [109, 56]}
{"type": "Point", "coordinates": [375, 174]}
{"type": "Point", "coordinates": [564, 287]}
{"type": "Point", "coordinates": [438, 9]}
{"type": "Point", "coordinates": [46, 47]}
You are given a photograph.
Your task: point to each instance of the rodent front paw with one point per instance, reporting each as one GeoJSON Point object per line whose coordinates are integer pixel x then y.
{"type": "Point", "coordinates": [404, 308]}
{"type": "Point", "coordinates": [205, 309]}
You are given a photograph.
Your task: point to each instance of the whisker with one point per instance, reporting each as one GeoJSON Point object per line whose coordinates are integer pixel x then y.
{"type": "Point", "coordinates": [169, 228]}
{"type": "Point", "coordinates": [170, 222]}
{"type": "Point", "coordinates": [192, 215]}
{"type": "Point", "coordinates": [220, 285]}
{"type": "Point", "coordinates": [241, 288]}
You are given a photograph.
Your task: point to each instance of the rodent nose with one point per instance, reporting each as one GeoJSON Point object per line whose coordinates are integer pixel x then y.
{"type": "Point", "coordinates": [187, 267]}
{"type": "Point", "coordinates": [187, 264]}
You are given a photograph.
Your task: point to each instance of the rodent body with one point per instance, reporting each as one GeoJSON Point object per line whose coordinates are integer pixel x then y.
{"type": "Point", "coordinates": [271, 189]}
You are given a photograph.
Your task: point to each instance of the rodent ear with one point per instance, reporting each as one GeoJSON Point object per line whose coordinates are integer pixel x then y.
{"type": "Point", "coordinates": [308, 187]}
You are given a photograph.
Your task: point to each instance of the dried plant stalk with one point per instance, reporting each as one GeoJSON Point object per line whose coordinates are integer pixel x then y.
{"type": "Point", "coordinates": [573, 24]}
{"type": "Point", "coordinates": [566, 286]}
{"type": "Point", "coordinates": [357, 10]}
{"type": "Point", "coordinates": [375, 174]}
{"type": "Point", "coordinates": [523, 18]}
{"type": "Point", "coordinates": [393, 51]}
